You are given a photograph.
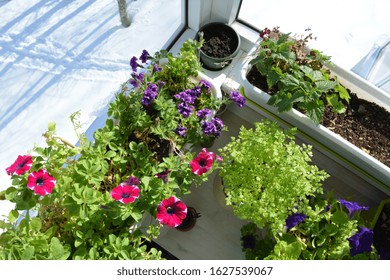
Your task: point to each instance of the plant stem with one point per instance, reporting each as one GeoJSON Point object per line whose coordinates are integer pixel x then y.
{"type": "Point", "coordinates": [64, 141]}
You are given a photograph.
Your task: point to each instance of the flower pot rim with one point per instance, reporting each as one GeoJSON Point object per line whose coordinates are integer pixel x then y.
{"type": "Point", "coordinates": [227, 27]}
{"type": "Point", "coordinates": [219, 61]}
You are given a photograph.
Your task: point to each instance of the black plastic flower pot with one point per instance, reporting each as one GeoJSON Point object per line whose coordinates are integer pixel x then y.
{"type": "Point", "coordinates": [190, 220]}
{"type": "Point", "coordinates": [221, 45]}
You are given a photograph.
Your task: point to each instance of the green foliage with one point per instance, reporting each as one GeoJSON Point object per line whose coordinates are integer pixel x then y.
{"type": "Point", "coordinates": [296, 76]}
{"type": "Point", "coordinates": [267, 175]}
{"type": "Point", "coordinates": [323, 235]}
{"type": "Point", "coordinates": [79, 219]}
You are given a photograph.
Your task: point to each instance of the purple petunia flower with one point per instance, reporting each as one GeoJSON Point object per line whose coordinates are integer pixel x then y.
{"type": "Point", "coordinates": [205, 84]}
{"type": "Point", "coordinates": [156, 68]}
{"type": "Point", "coordinates": [134, 64]}
{"type": "Point", "coordinates": [144, 56]}
{"type": "Point", "coordinates": [184, 109]}
{"type": "Point", "coordinates": [137, 79]}
{"type": "Point", "coordinates": [149, 94]}
{"type": "Point", "coordinates": [237, 98]}
{"type": "Point", "coordinates": [294, 219]}
{"type": "Point", "coordinates": [213, 127]}
{"type": "Point", "coordinates": [164, 175]}
{"type": "Point", "coordinates": [133, 181]}
{"type": "Point", "coordinates": [204, 113]}
{"type": "Point", "coordinates": [352, 206]}
{"type": "Point", "coordinates": [185, 97]}
{"type": "Point", "coordinates": [361, 242]}
{"type": "Point", "coordinates": [181, 131]}
{"type": "Point", "coordinates": [189, 95]}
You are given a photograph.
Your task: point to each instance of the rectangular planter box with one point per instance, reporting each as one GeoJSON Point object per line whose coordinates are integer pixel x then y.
{"type": "Point", "coordinates": [356, 159]}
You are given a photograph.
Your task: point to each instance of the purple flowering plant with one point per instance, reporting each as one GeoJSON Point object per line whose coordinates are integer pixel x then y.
{"type": "Point", "coordinates": [325, 230]}
{"type": "Point", "coordinates": [167, 96]}
{"type": "Point", "coordinates": [80, 201]}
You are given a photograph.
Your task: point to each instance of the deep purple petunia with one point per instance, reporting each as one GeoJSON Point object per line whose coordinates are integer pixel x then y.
{"type": "Point", "coordinates": [137, 79]}
{"type": "Point", "coordinates": [181, 131]}
{"type": "Point", "coordinates": [144, 56]}
{"type": "Point", "coordinates": [204, 84]}
{"type": "Point", "coordinates": [361, 241]}
{"type": "Point", "coordinates": [134, 64]}
{"type": "Point", "coordinates": [294, 219]}
{"type": "Point", "coordinates": [352, 206]}
{"type": "Point", "coordinates": [164, 175]}
{"type": "Point", "coordinates": [202, 162]}
{"type": "Point", "coordinates": [21, 165]}
{"type": "Point", "coordinates": [184, 109]}
{"type": "Point", "coordinates": [132, 180]}
{"type": "Point", "coordinates": [237, 98]}
{"type": "Point", "coordinates": [156, 68]}
{"type": "Point", "coordinates": [213, 127]}
{"type": "Point", "coordinates": [171, 212]}
{"type": "Point", "coordinates": [188, 96]}
{"type": "Point", "coordinates": [150, 94]}
{"type": "Point", "coordinates": [125, 193]}
{"type": "Point", "coordinates": [204, 113]}
{"type": "Point", "coordinates": [41, 182]}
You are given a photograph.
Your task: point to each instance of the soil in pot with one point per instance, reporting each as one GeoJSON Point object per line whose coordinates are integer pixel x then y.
{"type": "Point", "coordinates": [221, 44]}
{"type": "Point", "coordinates": [190, 220]}
{"type": "Point", "coordinates": [364, 124]}
{"type": "Point", "coordinates": [218, 43]}
{"type": "Point", "coordinates": [160, 147]}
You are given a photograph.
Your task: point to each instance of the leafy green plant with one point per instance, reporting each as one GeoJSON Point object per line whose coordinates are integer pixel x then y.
{"type": "Point", "coordinates": [267, 175]}
{"type": "Point", "coordinates": [296, 75]}
{"type": "Point", "coordinates": [85, 201]}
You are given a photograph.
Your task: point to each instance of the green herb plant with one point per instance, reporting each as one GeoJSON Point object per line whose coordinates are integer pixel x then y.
{"type": "Point", "coordinates": [267, 175]}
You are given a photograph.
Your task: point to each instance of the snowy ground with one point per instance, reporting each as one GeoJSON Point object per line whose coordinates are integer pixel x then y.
{"type": "Point", "coordinates": [58, 57]}
{"type": "Point", "coordinates": [61, 56]}
{"type": "Point", "coordinates": [346, 30]}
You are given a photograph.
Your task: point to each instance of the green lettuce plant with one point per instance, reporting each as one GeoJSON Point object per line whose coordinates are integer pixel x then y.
{"type": "Point", "coordinates": [296, 75]}
{"type": "Point", "coordinates": [267, 175]}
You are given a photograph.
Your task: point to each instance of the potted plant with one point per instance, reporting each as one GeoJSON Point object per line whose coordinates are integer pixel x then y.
{"type": "Point", "coordinates": [378, 219]}
{"type": "Point", "coordinates": [221, 45]}
{"type": "Point", "coordinates": [90, 201]}
{"type": "Point", "coordinates": [267, 175]}
{"type": "Point", "coordinates": [328, 229]}
{"type": "Point", "coordinates": [301, 87]}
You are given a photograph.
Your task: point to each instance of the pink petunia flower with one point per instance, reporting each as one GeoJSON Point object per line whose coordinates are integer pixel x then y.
{"type": "Point", "coordinates": [21, 165]}
{"type": "Point", "coordinates": [171, 212]}
{"type": "Point", "coordinates": [125, 193]}
{"type": "Point", "coordinates": [41, 182]}
{"type": "Point", "coordinates": [202, 162]}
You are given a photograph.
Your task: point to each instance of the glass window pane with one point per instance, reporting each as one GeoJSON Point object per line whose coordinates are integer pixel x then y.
{"type": "Point", "coordinates": [345, 30]}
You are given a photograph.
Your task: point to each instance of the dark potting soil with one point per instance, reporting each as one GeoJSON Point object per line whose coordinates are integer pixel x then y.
{"type": "Point", "coordinates": [364, 124]}
{"type": "Point", "coordinates": [218, 43]}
